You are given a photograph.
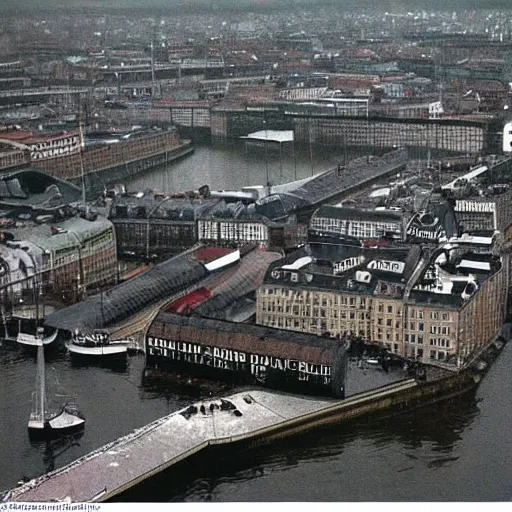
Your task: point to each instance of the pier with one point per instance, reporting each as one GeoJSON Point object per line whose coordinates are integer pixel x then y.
{"type": "Point", "coordinates": [248, 417]}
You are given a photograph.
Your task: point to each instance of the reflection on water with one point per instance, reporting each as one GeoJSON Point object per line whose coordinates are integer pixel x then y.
{"type": "Point", "coordinates": [51, 449]}
{"type": "Point", "coordinates": [116, 364]}
{"type": "Point", "coordinates": [233, 167]}
{"type": "Point", "coordinates": [422, 440]}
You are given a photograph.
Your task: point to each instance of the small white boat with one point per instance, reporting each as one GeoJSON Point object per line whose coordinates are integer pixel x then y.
{"type": "Point", "coordinates": [97, 350]}
{"type": "Point", "coordinates": [33, 340]}
{"type": "Point", "coordinates": [64, 421]}
{"type": "Point", "coordinates": [42, 421]}
{"type": "Point", "coordinates": [97, 344]}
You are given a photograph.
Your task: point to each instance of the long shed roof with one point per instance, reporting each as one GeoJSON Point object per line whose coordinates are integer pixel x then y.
{"type": "Point", "coordinates": [126, 299]}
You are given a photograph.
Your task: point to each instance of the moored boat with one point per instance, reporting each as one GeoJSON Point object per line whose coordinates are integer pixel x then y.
{"type": "Point", "coordinates": [97, 344]}
{"type": "Point", "coordinates": [33, 340]}
{"type": "Point", "coordinates": [43, 422]}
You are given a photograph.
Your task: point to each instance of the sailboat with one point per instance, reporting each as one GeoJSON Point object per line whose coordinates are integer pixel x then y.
{"type": "Point", "coordinates": [33, 340]}
{"type": "Point", "coordinates": [43, 422]}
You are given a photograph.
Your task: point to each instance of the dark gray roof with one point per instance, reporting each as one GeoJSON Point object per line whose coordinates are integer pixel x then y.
{"type": "Point", "coordinates": [347, 213]}
{"type": "Point", "coordinates": [34, 189]}
{"type": "Point", "coordinates": [429, 298]}
{"type": "Point", "coordinates": [244, 279]}
{"type": "Point", "coordinates": [128, 298]}
{"type": "Point", "coordinates": [243, 330]}
{"type": "Point", "coordinates": [358, 172]}
{"type": "Point", "coordinates": [158, 207]}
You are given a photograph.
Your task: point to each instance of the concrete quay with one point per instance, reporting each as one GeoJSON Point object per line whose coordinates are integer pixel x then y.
{"type": "Point", "coordinates": [250, 417]}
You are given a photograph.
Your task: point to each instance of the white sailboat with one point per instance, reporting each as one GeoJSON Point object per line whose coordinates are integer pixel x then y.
{"type": "Point", "coordinates": [43, 422]}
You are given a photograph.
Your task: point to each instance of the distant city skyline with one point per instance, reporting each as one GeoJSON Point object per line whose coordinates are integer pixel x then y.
{"type": "Point", "coordinates": [206, 5]}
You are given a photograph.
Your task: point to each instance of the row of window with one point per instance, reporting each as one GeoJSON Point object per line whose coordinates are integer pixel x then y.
{"type": "Point", "coordinates": [434, 315]}
{"type": "Point", "coordinates": [282, 296]}
{"type": "Point", "coordinates": [440, 342]}
{"type": "Point", "coordinates": [358, 229]}
{"type": "Point", "coordinates": [384, 331]}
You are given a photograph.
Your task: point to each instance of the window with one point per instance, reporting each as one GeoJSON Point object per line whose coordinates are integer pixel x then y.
{"type": "Point", "coordinates": [390, 309]}
{"type": "Point", "coordinates": [421, 327]}
{"type": "Point", "coordinates": [389, 322]}
{"type": "Point", "coordinates": [413, 338]}
{"type": "Point", "coordinates": [412, 326]}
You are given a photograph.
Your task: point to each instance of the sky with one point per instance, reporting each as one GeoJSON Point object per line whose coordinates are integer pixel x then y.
{"type": "Point", "coordinates": [200, 5]}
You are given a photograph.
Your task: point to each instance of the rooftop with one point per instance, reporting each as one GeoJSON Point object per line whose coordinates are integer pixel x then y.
{"type": "Point", "coordinates": [130, 297]}
{"type": "Point", "coordinates": [35, 189]}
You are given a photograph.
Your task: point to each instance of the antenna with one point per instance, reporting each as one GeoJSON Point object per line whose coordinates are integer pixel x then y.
{"type": "Point", "coordinates": [152, 62]}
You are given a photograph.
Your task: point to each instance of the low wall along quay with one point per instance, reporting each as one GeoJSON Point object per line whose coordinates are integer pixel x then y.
{"type": "Point", "coordinates": [113, 163]}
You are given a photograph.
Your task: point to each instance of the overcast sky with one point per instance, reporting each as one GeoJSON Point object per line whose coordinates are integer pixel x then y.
{"type": "Point", "coordinates": [394, 5]}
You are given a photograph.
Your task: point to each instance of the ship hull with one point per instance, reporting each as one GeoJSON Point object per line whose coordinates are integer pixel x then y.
{"type": "Point", "coordinates": [63, 423]}
{"type": "Point", "coordinates": [113, 349]}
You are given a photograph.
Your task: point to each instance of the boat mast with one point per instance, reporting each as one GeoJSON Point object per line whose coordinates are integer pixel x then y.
{"type": "Point", "coordinates": [40, 383]}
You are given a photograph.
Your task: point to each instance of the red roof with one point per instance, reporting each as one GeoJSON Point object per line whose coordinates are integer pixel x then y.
{"type": "Point", "coordinates": [15, 135]}
{"type": "Point", "coordinates": [210, 254]}
{"type": "Point", "coordinates": [189, 302]}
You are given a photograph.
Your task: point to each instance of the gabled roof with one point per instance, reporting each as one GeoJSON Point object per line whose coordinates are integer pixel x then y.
{"type": "Point", "coordinates": [358, 214]}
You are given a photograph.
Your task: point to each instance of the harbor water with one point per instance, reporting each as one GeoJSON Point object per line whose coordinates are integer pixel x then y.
{"type": "Point", "coordinates": [454, 451]}
{"type": "Point", "coordinates": [233, 166]}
